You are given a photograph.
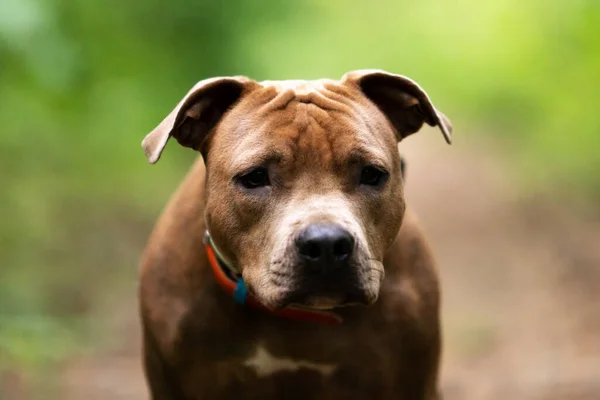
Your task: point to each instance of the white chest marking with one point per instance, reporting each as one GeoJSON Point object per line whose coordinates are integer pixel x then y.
{"type": "Point", "coordinates": [266, 364]}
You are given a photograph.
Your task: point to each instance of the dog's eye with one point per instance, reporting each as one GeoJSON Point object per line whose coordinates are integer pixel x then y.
{"type": "Point", "coordinates": [254, 179]}
{"type": "Point", "coordinates": [372, 176]}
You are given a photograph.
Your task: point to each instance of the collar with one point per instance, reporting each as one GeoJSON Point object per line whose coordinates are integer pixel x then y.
{"type": "Point", "coordinates": [230, 279]}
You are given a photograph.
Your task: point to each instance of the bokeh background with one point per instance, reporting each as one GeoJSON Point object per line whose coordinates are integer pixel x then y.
{"type": "Point", "coordinates": [512, 208]}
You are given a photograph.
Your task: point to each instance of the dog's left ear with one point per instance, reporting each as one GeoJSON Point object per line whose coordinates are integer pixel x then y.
{"type": "Point", "coordinates": [197, 114]}
{"type": "Point", "coordinates": [403, 101]}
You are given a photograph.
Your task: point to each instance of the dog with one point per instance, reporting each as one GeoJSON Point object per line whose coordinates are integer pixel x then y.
{"type": "Point", "coordinates": [286, 263]}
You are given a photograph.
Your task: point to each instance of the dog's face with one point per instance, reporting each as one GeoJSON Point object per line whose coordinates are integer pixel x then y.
{"type": "Point", "coordinates": [304, 185]}
{"type": "Point", "coordinates": [305, 196]}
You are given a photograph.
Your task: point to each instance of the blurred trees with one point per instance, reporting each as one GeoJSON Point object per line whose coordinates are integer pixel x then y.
{"type": "Point", "coordinates": [81, 82]}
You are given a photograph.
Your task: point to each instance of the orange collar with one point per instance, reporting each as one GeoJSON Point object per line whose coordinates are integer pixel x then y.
{"type": "Point", "coordinates": [232, 283]}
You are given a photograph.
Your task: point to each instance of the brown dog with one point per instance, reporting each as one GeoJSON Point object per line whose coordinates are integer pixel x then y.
{"type": "Point", "coordinates": [313, 282]}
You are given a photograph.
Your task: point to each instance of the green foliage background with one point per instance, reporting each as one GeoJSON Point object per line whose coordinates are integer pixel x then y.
{"type": "Point", "coordinates": [82, 81]}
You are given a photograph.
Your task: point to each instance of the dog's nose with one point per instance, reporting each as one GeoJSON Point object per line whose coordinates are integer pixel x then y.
{"type": "Point", "coordinates": [325, 246]}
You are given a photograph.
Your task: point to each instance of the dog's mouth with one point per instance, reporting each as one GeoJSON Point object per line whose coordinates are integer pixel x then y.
{"type": "Point", "coordinates": [291, 285]}
{"type": "Point", "coordinates": [325, 300]}
{"type": "Point", "coordinates": [298, 297]}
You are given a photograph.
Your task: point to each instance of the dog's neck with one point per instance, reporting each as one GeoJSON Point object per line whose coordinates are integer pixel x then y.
{"type": "Point", "coordinates": [230, 279]}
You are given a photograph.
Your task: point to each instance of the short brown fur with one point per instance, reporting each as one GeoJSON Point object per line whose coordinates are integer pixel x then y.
{"type": "Point", "coordinates": [197, 341]}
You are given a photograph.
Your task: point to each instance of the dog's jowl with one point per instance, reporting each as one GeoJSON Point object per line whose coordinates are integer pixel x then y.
{"type": "Point", "coordinates": [286, 264]}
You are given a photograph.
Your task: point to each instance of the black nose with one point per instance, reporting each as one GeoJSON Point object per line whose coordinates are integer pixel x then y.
{"type": "Point", "coordinates": [324, 246]}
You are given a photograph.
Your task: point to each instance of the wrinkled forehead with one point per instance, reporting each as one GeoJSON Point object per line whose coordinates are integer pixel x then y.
{"type": "Point", "coordinates": [301, 88]}
{"type": "Point", "coordinates": [317, 122]}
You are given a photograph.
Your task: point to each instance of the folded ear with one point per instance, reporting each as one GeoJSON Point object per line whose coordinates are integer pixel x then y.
{"type": "Point", "coordinates": [196, 114]}
{"type": "Point", "coordinates": [403, 101]}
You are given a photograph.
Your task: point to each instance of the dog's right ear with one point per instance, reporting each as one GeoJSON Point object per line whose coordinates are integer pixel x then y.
{"type": "Point", "coordinates": [196, 114]}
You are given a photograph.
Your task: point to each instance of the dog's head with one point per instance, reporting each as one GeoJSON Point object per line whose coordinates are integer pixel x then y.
{"type": "Point", "coordinates": [304, 188]}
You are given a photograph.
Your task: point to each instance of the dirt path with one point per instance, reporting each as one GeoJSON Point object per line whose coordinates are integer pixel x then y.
{"type": "Point", "coordinates": [521, 287]}
{"type": "Point", "coordinates": [522, 306]}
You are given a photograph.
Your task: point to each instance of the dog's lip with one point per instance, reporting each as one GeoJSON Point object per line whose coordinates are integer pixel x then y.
{"type": "Point", "coordinates": [305, 292]}
{"type": "Point", "coordinates": [306, 300]}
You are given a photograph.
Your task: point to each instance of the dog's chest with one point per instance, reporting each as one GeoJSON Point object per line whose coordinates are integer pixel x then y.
{"type": "Point", "coordinates": [263, 373]}
{"type": "Point", "coordinates": [230, 349]}
{"type": "Point", "coordinates": [272, 359]}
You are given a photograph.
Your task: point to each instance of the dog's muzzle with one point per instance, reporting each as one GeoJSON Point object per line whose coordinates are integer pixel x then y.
{"type": "Point", "coordinates": [326, 272]}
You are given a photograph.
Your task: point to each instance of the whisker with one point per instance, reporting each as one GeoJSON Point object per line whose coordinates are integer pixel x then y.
{"type": "Point", "coordinates": [280, 274]}
{"type": "Point", "coordinates": [377, 270]}
{"type": "Point", "coordinates": [277, 283]}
